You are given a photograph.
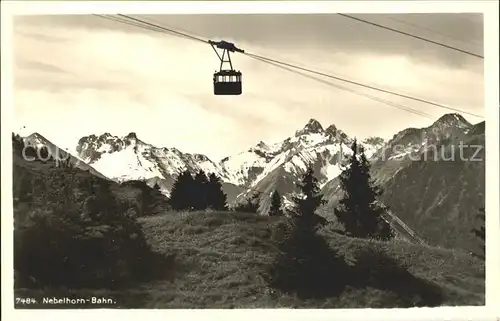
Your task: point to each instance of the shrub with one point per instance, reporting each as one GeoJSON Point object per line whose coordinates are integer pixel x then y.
{"type": "Point", "coordinates": [74, 234]}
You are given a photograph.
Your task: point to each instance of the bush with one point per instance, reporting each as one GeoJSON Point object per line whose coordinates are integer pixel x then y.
{"type": "Point", "coordinates": [249, 205]}
{"type": "Point", "coordinates": [74, 234]}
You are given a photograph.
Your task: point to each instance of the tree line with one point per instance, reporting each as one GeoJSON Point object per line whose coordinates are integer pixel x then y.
{"type": "Point", "coordinates": [358, 211]}
{"type": "Point", "coordinates": [203, 191]}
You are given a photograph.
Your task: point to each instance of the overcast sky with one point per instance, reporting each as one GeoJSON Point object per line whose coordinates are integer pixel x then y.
{"type": "Point", "coordinates": [81, 75]}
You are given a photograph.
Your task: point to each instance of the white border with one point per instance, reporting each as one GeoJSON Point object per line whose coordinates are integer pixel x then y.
{"type": "Point", "coordinates": [490, 10]}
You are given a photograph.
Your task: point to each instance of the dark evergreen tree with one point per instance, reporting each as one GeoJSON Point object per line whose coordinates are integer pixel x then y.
{"type": "Point", "coordinates": [151, 197]}
{"type": "Point", "coordinates": [306, 203]}
{"type": "Point", "coordinates": [249, 205]}
{"type": "Point", "coordinates": [358, 210]}
{"type": "Point", "coordinates": [200, 191]}
{"type": "Point", "coordinates": [182, 192]}
{"type": "Point", "coordinates": [17, 144]}
{"type": "Point", "coordinates": [305, 264]}
{"type": "Point", "coordinates": [480, 232]}
{"type": "Point", "coordinates": [216, 198]}
{"type": "Point", "coordinates": [275, 209]}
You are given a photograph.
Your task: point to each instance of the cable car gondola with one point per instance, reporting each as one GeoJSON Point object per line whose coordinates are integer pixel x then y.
{"type": "Point", "coordinates": [226, 81]}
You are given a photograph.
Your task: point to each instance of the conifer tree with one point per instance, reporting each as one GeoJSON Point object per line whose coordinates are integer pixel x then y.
{"type": "Point", "coordinates": [182, 192]}
{"type": "Point", "coordinates": [200, 191]}
{"type": "Point", "coordinates": [275, 209]}
{"type": "Point", "coordinates": [150, 198]}
{"type": "Point", "coordinates": [358, 211]}
{"type": "Point", "coordinates": [17, 144]}
{"type": "Point", "coordinates": [250, 205]}
{"type": "Point", "coordinates": [305, 264]}
{"type": "Point", "coordinates": [305, 205]}
{"type": "Point", "coordinates": [216, 198]}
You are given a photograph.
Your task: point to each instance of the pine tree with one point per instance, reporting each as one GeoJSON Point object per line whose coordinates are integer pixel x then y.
{"type": "Point", "coordinates": [250, 205]}
{"type": "Point", "coordinates": [150, 198]}
{"type": "Point", "coordinates": [358, 211]}
{"type": "Point", "coordinates": [306, 204]}
{"type": "Point", "coordinates": [275, 209]}
{"type": "Point", "coordinates": [480, 232]}
{"type": "Point", "coordinates": [200, 191]}
{"type": "Point", "coordinates": [182, 192]}
{"type": "Point", "coordinates": [216, 199]}
{"type": "Point", "coordinates": [305, 264]}
{"type": "Point", "coordinates": [17, 144]}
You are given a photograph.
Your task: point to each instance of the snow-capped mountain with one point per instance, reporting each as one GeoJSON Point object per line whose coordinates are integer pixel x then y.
{"type": "Point", "coordinates": [421, 193]}
{"type": "Point", "coordinates": [280, 165]}
{"type": "Point", "coordinates": [129, 158]}
{"type": "Point", "coordinates": [312, 143]}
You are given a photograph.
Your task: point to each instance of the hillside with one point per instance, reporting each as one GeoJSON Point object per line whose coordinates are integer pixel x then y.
{"type": "Point", "coordinates": [131, 193]}
{"type": "Point", "coordinates": [446, 194]}
{"type": "Point", "coordinates": [435, 194]}
{"type": "Point", "coordinates": [219, 256]}
{"type": "Point", "coordinates": [36, 141]}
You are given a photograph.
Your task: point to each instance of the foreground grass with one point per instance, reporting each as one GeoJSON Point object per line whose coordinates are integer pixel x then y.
{"type": "Point", "coordinates": [219, 258]}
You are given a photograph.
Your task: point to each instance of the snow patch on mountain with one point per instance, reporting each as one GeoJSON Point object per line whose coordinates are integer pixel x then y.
{"type": "Point", "coordinates": [129, 158]}
{"type": "Point", "coordinates": [127, 164]}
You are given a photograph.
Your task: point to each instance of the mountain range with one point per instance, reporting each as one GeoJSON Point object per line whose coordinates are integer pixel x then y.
{"type": "Point", "coordinates": [430, 197]}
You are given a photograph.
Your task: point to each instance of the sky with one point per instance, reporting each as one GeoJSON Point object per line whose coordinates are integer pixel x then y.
{"type": "Point", "coordinates": [81, 75]}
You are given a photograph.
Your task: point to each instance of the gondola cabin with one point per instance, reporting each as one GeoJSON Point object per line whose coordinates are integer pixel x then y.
{"type": "Point", "coordinates": [227, 82]}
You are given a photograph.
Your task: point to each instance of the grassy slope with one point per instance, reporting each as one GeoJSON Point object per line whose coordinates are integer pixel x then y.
{"type": "Point", "coordinates": [220, 256]}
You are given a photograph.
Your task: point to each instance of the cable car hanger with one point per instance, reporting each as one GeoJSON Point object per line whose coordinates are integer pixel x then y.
{"type": "Point", "coordinates": [226, 81]}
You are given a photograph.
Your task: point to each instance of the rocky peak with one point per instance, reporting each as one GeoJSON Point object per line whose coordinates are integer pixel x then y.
{"type": "Point", "coordinates": [338, 134]}
{"type": "Point", "coordinates": [262, 145]}
{"type": "Point", "coordinates": [312, 127]}
{"type": "Point", "coordinates": [131, 135]}
{"type": "Point", "coordinates": [452, 120]}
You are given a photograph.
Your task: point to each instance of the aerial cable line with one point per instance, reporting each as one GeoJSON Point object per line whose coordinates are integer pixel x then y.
{"type": "Point", "coordinates": [127, 22]}
{"type": "Point", "coordinates": [164, 29]}
{"type": "Point", "coordinates": [434, 31]}
{"type": "Point", "coordinates": [184, 32]}
{"type": "Point", "coordinates": [410, 35]}
{"type": "Point", "coordinates": [260, 58]}
{"type": "Point", "coordinates": [140, 24]}
{"type": "Point", "coordinates": [383, 101]}
{"type": "Point", "coordinates": [362, 85]}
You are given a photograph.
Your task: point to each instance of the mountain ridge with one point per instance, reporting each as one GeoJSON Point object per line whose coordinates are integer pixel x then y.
{"type": "Point", "coordinates": [243, 169]}
{"type": "Point", "coordinates": [265, 167]}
